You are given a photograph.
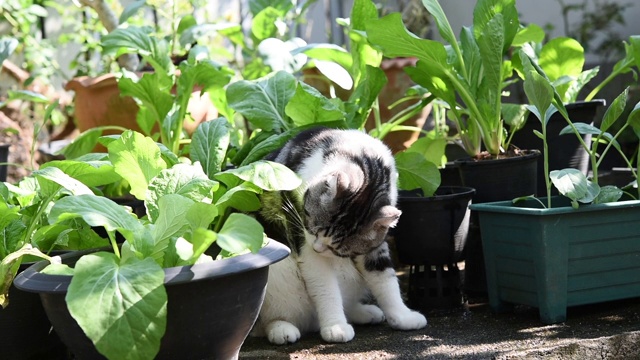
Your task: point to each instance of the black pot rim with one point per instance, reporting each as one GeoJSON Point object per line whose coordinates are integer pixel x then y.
{"type": "Point", "coordinates": [455, 192]}
{"type": "Point", "coordinates": [531, 154]}
{"type": "Point", "coordinates": [32, 280]}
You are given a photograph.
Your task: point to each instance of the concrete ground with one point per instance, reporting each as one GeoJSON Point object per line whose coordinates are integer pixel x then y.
{"type": "Point", "coordinates": [472, 331]}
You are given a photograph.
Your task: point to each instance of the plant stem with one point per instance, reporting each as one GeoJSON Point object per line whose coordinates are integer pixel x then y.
{"type": "Point", "coordinates": [547, 181]}
{"type": "Point", "coordinates": [114, 244]}
{"type": "Point", "coordinates": [624, 66]}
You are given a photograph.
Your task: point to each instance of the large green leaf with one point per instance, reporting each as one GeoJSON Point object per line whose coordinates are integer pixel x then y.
{"type": "Point", "coordinates": [561, 56]}
{"type": "Point", "coordinates": [309, 106]}
{"type": "Point", "coordinates": [95, 211]}
{"type": "Point", "coordinates": [634, 119]}
{"type": "Point", "coordinates": [327, 52]}
{"type": "Point", "coordinates": [573, 184]}
{"type": "Point", "coordinates": [182, 179]}
{"type": "Point", "coordinates": [539, 92]}
{"type": "Point", "coordinates": [390, 33]}
{"type": "Point", "coordinates": [172, 216]}
{"type": "Point", "coordinates": [240, 233]}
{"type": "Point", "coordinates": [153, 90]}
{"type": "Point", "coordinates": [615, 110]}
{"type": "Point", "coordinates": [416, 172]}
{"type": "Point", "coordinates": [365, 94]}
{"type": "Point", "coordinates": [267, 175]}
{"type": "Point", "coordinates": [444, 27]}
{"type": "Point", "coordinates": [91, 172]}
{"type": "Point", "coordinates": [490, 43]}
{"type": "Point", "coordinates": [432, 147]}
{"type": "Point", "coordinates": [209, 145]}
{"type": "Point", "coordinates": [487, 10]}
{"type": "Point", "coordinates": [263, 101]}
{"type": "Point", "coordinates": [242, 198]}
{"type": "Point", "coordinates": [122, 308]}
{"type": "Point", "coordinates": [52, 175]}
{"type": "Point", "coordinates": [133, 39]}
{"type": "Point", "coordinates": [264, 23]}
{"type": "Point", "coordinates": [137, 159]}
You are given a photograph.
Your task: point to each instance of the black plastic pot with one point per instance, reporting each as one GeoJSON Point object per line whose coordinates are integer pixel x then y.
{"type": "Point", "coordinates": [494, 180]}
{"type": "Point", "coordinates": [433, 230]}
{"type": "Point", "coordinates": [4, 158]}
{"type": "Point", "coordinates": [211, 307]}
{"type": "Point", "coordinates": [500, 179]}
{"type": "Point", "coordinates": [431, 237]}
{"type": "Point", "coordinates": [25, 330]}
{"type": "Point", "coordinates": [565, 151]}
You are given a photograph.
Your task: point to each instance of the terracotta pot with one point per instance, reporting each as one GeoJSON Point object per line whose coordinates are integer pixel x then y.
{"type": "Point", "coordinates": [398, 82]}
{"type": "Point", "coordinates": [98, 103]}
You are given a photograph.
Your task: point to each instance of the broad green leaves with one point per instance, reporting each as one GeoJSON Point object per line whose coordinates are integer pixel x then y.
{"type": "Point", "coordinates": [473, 71]}
{"type": "Point", "coordinates": [209, 145]}
{"type": "Point", "coordinates": [121, 307]}
{"type": "Point", "coordinates": [137, 159]}
{"type": "Point", "coordinates": [416, 172]}
{"type": "Point", "coordinates": [263, 102]}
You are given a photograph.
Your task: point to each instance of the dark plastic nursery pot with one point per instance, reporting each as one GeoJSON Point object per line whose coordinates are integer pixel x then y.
{"type": "Point", "coordinates": [25, 329]}
{"type": "Point", "coordinates": [433, 230]}
{"type": "Point", "coordinates": [211, 307]}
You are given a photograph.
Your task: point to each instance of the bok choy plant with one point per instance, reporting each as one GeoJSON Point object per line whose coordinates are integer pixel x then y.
{"type": "Point", "coordinates": [194, 214]}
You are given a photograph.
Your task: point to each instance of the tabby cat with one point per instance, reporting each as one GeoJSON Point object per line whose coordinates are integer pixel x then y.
{"type": "Point", "coordinates": [336, 225]}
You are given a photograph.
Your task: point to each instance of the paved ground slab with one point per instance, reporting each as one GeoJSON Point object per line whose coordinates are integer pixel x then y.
{"type": "Point", "coordinates": [602, 331]}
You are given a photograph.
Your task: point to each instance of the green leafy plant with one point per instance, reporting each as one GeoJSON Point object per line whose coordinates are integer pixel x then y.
{"type": "Point", "coordinates": [468, 74]}
{"type": "Point", "coordinates": [562, 59]}
{"type": "Point", "coordinates": [189, 205]}
{"type": "Point", "coordinates": [164, 94]}
{"type": "Point", "coordinates": [572, 183]}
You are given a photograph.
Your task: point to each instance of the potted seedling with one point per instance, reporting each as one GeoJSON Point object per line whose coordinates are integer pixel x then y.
{"type": "Point", "coordinates": [151, 295]}
{"type": "Point", "coordinates": [574, 249]}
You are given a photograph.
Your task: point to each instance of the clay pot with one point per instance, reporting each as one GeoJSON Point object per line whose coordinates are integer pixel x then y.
{"type": "Point", "coordinates": [98, 103]}
{"type": "Point", "coordinates": [398, 82]}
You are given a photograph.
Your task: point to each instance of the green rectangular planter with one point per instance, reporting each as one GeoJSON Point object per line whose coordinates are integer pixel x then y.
{"type": "Point", "coordinates": [560, 257]}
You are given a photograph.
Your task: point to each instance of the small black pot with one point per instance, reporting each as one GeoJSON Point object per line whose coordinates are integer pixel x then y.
{"type": "Point", "coordinates": [211, 307]}
{"type": "Point", "coordinates": [500, 179]}
{"type": "Point", "coordinates": [25, 330]}
{"type": "Point", "coordinates": [433, 230]}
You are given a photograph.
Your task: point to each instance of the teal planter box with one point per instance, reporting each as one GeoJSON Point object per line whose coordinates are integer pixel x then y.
{"type": "Point", "coordinates": [560, 257]}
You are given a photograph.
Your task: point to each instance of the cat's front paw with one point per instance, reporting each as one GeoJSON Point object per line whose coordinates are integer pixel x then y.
{"type": "Point", "coordinates": [363, 314]}
{"type": "Point", "coordinates": [337, 333]}
{"type": "Point", "coordinates": [407, 320]}
{"type": "Point", "coordinates": [282, 332]}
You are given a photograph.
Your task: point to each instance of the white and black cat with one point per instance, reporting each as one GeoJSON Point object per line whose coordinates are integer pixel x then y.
{"type": "Point", "coordinates": [336, 225]}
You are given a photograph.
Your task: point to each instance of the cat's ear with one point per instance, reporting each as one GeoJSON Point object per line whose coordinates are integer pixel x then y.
{"type": "Point", "coordinates": [387, 217]}
{"type": "Point", "coordinates": [336, 184]}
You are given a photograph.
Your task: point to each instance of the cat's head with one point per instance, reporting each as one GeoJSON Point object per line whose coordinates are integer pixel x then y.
{"type": "Point", "coordinates": [347, 215]}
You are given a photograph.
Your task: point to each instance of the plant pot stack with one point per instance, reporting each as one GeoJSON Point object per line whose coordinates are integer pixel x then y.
{"type": "Point", "coordinates": [431, 237]}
